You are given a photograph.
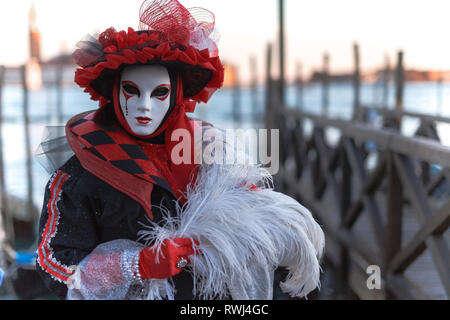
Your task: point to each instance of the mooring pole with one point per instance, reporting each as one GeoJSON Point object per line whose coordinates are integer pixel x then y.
{"type": "Point", "coordinates": [440, 93]}
{"type": "Point", "coordinates": [59, 95]}
{"type": "Point", "coordinates": [399, 82]}
{"type": "Point", "coordinates": [26, 123]}
{"type": "Point", "coordinates": [282, 53]}
{"type": "Point", "coordinates": [59, 106]}
{"type": "Point", "coordinates": [236, 98]}
{"type": "Point", "coordinates": [253, 90]}
{"type": "Point", "coordinates": [6, 218]}
{"type": "Point", "coordinates": [299, 85]}
{"type": "Point", "coordinates": [357, 115]}
{"type": "Point", "coordinates": [269, 88]}
{"type": "Point", "coordinates": [2, 171]}
{"type": "Point", "coordinates": [325, 84]}
{"type": "Point", "coordinates": [399, 87]}
{"type": "Point", "coordinates": [386, 78]}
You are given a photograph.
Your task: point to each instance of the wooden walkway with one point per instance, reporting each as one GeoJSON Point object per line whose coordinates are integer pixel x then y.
{"type": "Point", "coordinates": [383, 199]}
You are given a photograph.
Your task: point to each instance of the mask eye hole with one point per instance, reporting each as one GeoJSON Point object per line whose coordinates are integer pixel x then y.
{"type": "Point", "coordinates": [161, 92]}
{"type": "Point", "coordinates": [130, 89]}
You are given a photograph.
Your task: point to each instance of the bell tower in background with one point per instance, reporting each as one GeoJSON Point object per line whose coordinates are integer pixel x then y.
{"type": "Point", "coordinates": [33, 70]}
{"type": "Point", "coordinates": [34, 35]}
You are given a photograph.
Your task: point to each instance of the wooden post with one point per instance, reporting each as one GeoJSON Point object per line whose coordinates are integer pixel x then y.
{"type": "Point", "coordinates": [399, 83]}
{"type": "Point", "coordinates": [395, 121]}
{"type": "Point", "coordinates": [281, 55]}
{"type": "Point", "coordinates": [59, 106]}
{"type": "Point", "coordinates": [269, 89]}
{"type": "Point", "coordinates": [299, 85]}
{"type": "Point", "coordinates": [6, 218]}
{"type": "Point", "coordinates": [59, 96]}
{"type": "Point", "coordinates": [440, 93]}
{"type": "Point", "coordinates": [356, 85]}
{"type": "Point", "coordinates": [386, 78]}
{"type": "Point", "coordinates": [325, 84]}
{"type": "Point", "coordinates": [236, 98]}
{"type": "Point", "coordinates": [281, 93]}
{"type": "Point", "coordinates": [26, 122]}
{"type": "Point", "coordinates": [254, 90]}
{"type": "Point", "coordinates": [2, 171]}
{"type": "Point", "coordinates": [269, 114]}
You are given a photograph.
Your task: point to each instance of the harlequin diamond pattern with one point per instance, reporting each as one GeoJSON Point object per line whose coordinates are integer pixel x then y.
{"type": "Point", "coordinates": [119, 149]}
{"type": "Point", "coordinates": [97, 138]}
{"type": "Point", "coordinates": [128, 165]}
{"type": "Point", "coordinates": [134, 151]}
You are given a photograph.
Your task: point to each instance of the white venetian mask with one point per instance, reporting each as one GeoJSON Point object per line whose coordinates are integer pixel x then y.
{"type": "Point", "coordinates": [144, 97]}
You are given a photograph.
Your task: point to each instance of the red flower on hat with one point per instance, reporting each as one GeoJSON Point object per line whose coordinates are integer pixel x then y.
{"type": "Point", "coordinates": [108, 37]}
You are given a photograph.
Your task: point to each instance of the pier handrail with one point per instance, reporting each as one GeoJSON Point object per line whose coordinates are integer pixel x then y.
{"type": "Point", "coordinates": [403, 113]}
{"type": "Point", "coordinates": [423, 148]}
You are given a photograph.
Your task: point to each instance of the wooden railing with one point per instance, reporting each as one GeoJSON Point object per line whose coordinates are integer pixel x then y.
{"type": "Point", "coordinates": [382, 198]}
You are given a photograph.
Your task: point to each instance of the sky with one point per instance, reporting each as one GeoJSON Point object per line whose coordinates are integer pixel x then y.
{"type": "Point", "coordinates": [382, 27]}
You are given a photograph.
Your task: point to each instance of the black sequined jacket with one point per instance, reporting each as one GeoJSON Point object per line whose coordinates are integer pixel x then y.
{"type": "Point", "coordinates": [80, 211]}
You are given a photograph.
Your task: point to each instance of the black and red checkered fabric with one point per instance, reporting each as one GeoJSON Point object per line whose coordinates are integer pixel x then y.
{"type": "Point", "coordinates": [114, 146]}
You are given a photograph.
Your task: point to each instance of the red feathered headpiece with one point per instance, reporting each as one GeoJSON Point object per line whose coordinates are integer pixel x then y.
{"type": "Point", "coordinates": [170, 35]}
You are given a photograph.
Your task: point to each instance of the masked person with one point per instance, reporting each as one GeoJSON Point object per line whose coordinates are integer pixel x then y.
{"type": "Point", "coordinates": [124, 218]}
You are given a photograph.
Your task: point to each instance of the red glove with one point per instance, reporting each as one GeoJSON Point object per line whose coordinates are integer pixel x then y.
{"type": "Point", "coordinates": [172, 252]}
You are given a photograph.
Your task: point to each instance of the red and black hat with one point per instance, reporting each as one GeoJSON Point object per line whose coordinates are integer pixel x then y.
{"type": "Point", "coordinates": [170, 35]}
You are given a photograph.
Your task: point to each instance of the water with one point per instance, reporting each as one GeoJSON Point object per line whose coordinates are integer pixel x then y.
{"type": "Point", "coordinates": [418, 97]}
